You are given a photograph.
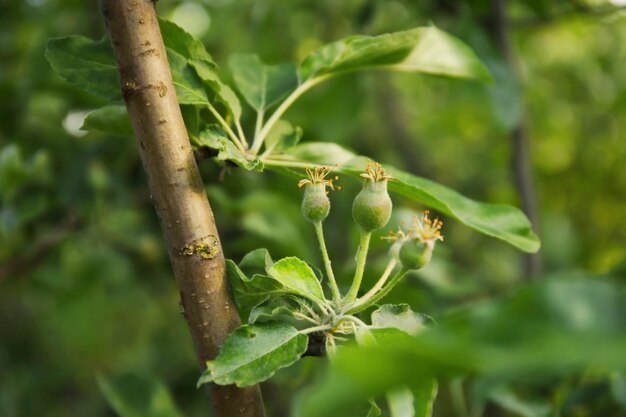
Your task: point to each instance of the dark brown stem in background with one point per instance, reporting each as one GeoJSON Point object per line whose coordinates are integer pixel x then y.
{"type": "Point", "coordinates": [520, 153]}
{"type": "Point", "coordinates": [37, 252]}
{"type": "Point", "coordinates": [177, 190]}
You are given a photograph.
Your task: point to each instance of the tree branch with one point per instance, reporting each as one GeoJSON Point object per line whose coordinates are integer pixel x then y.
{"type": "Point", "coordinates": [520, 153]}
{"type": "Point", "coordinates": [177, 190]}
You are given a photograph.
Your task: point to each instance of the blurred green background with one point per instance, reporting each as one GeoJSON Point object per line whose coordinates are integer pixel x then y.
{"type": "Point", "coordinates": [85, 284]}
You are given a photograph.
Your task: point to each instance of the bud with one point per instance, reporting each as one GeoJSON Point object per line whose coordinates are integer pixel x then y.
{"type": "Point", "coordinates": [415, 254]}
{"type": "Point", "coordinates": [315, 203]}
{"type": "Point", "coordinates": [371, 209]}
{"type": "Point", "coordinates": [414, 248]}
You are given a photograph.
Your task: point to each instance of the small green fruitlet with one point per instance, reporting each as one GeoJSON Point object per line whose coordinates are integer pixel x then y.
{"type": "Point", "coordinates": [315, 203]}
{"type": "Point", "coordinates": [372, 207]}
{"type": "Point", "coordinates": [415, 254]}
{"type": "Point", "coordinates": [414, 248]}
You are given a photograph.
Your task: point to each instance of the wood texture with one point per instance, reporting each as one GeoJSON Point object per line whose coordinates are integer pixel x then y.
{"type": "Point", "coordinates": [177, 190]}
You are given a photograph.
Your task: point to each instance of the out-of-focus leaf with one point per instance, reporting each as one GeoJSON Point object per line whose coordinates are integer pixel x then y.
{"type": "Point", "coordinates": [424, 395]}
{"type": "Point", "coordinates": [374, 410]}
{"type": "Point", "coordinates": [400, 402]}
{"type": "Point", "coordinates": [253, 353]}
{"type": "Point", "coordinates": [12, 171]}
{"type": "Point", "coordinates": [282, 137]}
{"type": "Point", "coordinates": [618, 388]}
{"type": "Point", "coordinates": [416, 402]}
{"type": "Point", "coordinates": [134, 396]}
{"type": "Point", "coordinates": [87, 64]}
{"type": "Point", "coordinates": [541, 331]}
{"type": "Point", "coordinates": [399, 316]}
{"type": "Point", "coordinates": [262, 85]}
{"type": "Point", "coordinates": [109, 119]}
{"type": "Point", "coordinates": [500, 221]}
{"type": "Point", "coordinates": [507, 399]}
{"type": "Point", "coordinates": [427, 50]}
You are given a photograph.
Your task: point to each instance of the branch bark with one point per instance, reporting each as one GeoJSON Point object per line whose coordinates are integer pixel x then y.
{"type": "Point", "coordinates": [177, 190]}
{"type": "Point", "coordinates": [520, 152]}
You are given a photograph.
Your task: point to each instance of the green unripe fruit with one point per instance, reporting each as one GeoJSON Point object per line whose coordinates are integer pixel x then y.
{"type": "Point", "coordinates": [371, 209]}
{"type": "Point", "coordinates": [315, 203]}
{"type": "Point", "coordinates": [415, 254]}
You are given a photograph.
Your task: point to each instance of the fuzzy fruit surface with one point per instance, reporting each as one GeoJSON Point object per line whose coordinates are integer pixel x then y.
{"type": "Point", "coordinates": [415, 254]}
{"type": "Point", "coordinates": [315, 203]}
{"type": "Point", "coordinates": [371, 209]}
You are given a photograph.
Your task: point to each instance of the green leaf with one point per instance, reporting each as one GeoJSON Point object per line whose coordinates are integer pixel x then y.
{"type": "Point", "coordinates": [189, 86]}
{"type": "Point", "coordinates": [539, 332]}
{"type": "Point", "coordinates": [497, 220]}
{"type": "Point", "coordinates": [253, 353]}
{"type": "Point", "coordinates": [90, 65]}
{"type": "Point", "coordinates": [87, 64]}
{"type": "Point", "coordinates": [262, 296]}
{"type": "Point", "coordinates": [298, 277]}
{"type": "Point", "coordinates": [399, 316]}
{"type": "Point", "coordinates": [215, 138]}
{"type": "Point", "coordinates": [183, 43]}
{"type": "Point", "coordinates": [250, 292]}
{"type": "Point", "coordinates": [427, 50]}
{"type": "Point", "coordinates": [374, 409]}
{"type": "Point", "coordinates": [134, 396]}
{"type": "Point", "coordinates": [258, 261]}
{"type": "Point", "coordinates": [508, 400]}
{"type": "Point", "coordinates": [262, 85]}
{"type": "Point", "coordinates": [424, 395]}
{"type": "Point", "coordinates": [109, 119]}
{"type": "Point", "coordinates": [277, 309]}
{"type": "Point", "coordinates": [222, 93]}
{"type": "Point", "coordinates": [400, 402]}
{"type": "Point", "coordinates": [282, 137]}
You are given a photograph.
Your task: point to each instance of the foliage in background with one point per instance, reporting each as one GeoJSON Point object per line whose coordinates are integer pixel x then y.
{"type": "Point", "coordinates": [64, 317]}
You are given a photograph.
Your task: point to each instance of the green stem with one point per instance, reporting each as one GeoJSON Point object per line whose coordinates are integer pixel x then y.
{"type": "Point", "coordinates": [361, 257]}
{"type": "Point", "coordinates": [259, 122]}
{"type": "Point", "coordinates": [227, 128]}
{"type": "Point", "coordinates": [362, 305]}
{"type": "Point", "coordinates": [301, 89]}
{"type": "Point", "coordinates": [316, 329]}
{"type": "Point", "coordinates": [289, 164]}
{"type": "Point", "coordinates": [379, 284]}
{"type": "Point", "coordinates": [329, 269]}
{"type": "Point", "coordinates": [242, 136]}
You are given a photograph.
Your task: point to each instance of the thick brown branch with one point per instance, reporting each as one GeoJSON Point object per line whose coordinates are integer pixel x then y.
{"type": "Point", "coordinates": [177, 190]}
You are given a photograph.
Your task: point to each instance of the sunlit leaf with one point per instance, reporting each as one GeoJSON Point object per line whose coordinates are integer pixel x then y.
{"type": "Point", "coordinates": [427, 50]}
{"type": "Point", "coordinates": [262, 85]}
{"type": "Point", "coordinates": [399, 316]}
{"type": "Point", "coordinates": [500, 221]}
{"type": "Point", "coordinates": [253, 353]}
{"type": "Point", "coordinates": [110, 119]}
{"type": "Point", "coordinates": [87, 64]}
{"type": "Point", "coordinates": [298, 276]}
